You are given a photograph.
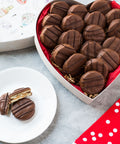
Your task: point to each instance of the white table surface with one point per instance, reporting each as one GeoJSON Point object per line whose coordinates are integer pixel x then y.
{"type": "Point", "coordinates": [73, 117]}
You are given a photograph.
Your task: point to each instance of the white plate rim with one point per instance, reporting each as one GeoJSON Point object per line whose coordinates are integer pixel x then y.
{"type": "Point", "coordinates": [53, 115]}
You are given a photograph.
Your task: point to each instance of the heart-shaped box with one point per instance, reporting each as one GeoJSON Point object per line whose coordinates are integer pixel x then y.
{"type": "Point", "coordinates": [107, 97]}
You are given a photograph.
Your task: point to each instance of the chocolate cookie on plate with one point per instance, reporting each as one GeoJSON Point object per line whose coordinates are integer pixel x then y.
{"type": "Point", "coordinates": [74, 64]}
{"type": "Point", "coordinates": [110, 58]}
{"type": "Point", "coordinates": [61, 53]}
{"type": "Point", "coordinates": [50, 35]}
{"type": "Point", "coordinates": [72, 21]}
{"type": "Point", "coordinates": [92, 82]}
{"type": "Point", "coordinates": [4, 104]}
{"type": "Point", "coordinates": [71, 37]}
{"type": "Point", "coordinates": [78, 10]}
{"type": "Point", "coordinates": [94, 33]}
{"type": "Point", "coordinates": [19, 94]}
{"type": "Point", "coordinates": [60, 8]}
{"type": "Point", "coordinates": [91, 49]}
{"type": "Point", "coordinates": [23, 109]}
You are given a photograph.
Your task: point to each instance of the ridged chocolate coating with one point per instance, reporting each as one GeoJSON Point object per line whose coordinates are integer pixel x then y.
{"type": "Point", "coordinates": [114, 28]}
{"type": "Point", "coordinates": [101, 5]}
{"type": "Point", "coordinates": [74, 64]}
{"type": "Point", "coordinates": [94, 33]}
{"type": "Point", "coordinates": [71, 37]}
{"type": "Point", "coordinates": [52, 19]}
{"type": "Point", "coordinates": [112, 43]}
{"type": "Point", "coordinates": [110, 58]}
{"type": "Point", "coordinates": [72, 21]}
{"type": "Point", "coordinates": [49, 35]}
{"type": "Point", "coordinates": [97, 65]}
{"type": "Point", "coordinates": [23, 109]}
{"type": "Point", "coordinates": [91, 49]}
{"type": "Point", "coordinates": [4, 104]}
{"type": "Point", "coordinates": [78, 10]}
{"type": "Point", "coordinates": [92, 82]}
{"type": "Point", "coordinates": [61, 53]}
{"type": "Point", "coordinates": [59, 8]}
{"type": "Point", "coordinates": [96, 18]}
{"type": "Point", "coordinates": [113, 14]}
{"type": "Point", "coordinates": [20, 90]}
{"type": "Point", "coordinates": [19, 94]}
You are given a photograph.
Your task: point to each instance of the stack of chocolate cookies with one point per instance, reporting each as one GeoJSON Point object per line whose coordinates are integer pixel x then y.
{"type": "Point", "coordinates": [21, 107]}
{"type": "Point", "coordinates": [84, 42]}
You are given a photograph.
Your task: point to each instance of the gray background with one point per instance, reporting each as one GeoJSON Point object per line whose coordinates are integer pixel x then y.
{"type": "Point", "coordinates": [73, 117]}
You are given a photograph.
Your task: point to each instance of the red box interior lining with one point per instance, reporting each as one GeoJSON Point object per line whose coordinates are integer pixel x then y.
{"type": "Point", "coordinates": [111, 76]}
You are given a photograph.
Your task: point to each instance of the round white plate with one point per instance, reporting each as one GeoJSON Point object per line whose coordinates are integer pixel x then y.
{"type": "Point", "coordinates": [13, 130]}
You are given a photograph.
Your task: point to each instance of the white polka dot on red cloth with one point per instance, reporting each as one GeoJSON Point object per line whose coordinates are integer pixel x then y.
{"type": "Point", "coordinates": [116, 110]}
{"type": "Point", "coordinates": [85, 139]}
{"type": "Point", "coordinates": [109, 143]}
{"type": "Point", "coordinates": [107, 121]}
{"type": "Point", "coordinates": [117, 104]}
{"type": "Point", "coordinates": [110, 134]}
{"type": "Point", "coordinates": [94, 138]}
{"type": "Point", "coordinates": [115, 130]}
{"type": "Point", "coordinates": [92, 133]}
{"type": "Point", "coordinates": [100, 135]}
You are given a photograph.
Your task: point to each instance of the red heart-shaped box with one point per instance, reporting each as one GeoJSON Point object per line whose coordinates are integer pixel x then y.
{"type": "Point", "coordinates": [108, 96]}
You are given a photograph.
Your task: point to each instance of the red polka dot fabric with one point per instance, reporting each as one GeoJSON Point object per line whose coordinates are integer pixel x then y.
{"type": "Point", "coordinates": [106, 130]}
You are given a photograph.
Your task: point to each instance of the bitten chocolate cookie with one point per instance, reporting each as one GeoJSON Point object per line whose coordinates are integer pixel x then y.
{"type": "Point", "coordinates": [112, 43]}
{"type": "Point", "coordinates": [91, 49]}
{"type": "Point", "coordinates": [49, 35]}
{"type": "Point", "coordinates": [110, 58]}
{"type": "Point", "coordinates": [92, 82]}
{"type": "Point", "coordinates": [72, 21]}
{"type": "Point", "coordinates": [113, 14]}
{"type": "Point", "coordinates": [52, 19]}
{"type": "Point", "coordinates": [4, 104]}
{"type": "Point", "coordinates": [78, 10]}
{"type": "Point", "coordinates": [94, 33]}
{"type": "Point", "coordinates": [71, 37]}
{"type": "Point", "coordinates": [114, 28]}
{"type": "Point", "coordinates": [61, 53]}
{"type": "Point", "coordinates": [74, 64]}
{"type": "Point", "coordinates": [97, 65]}
{"type": "Point", "coordinates": [23, 109]}
{"type": "Point", "coordinates": [19, 94]}
{"type": "Point", "coordinates": [101, 5]}
{"type": "Point", "coordinates": [59, 8]}
{"type": "Point", "coordinates": [96, 18]}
